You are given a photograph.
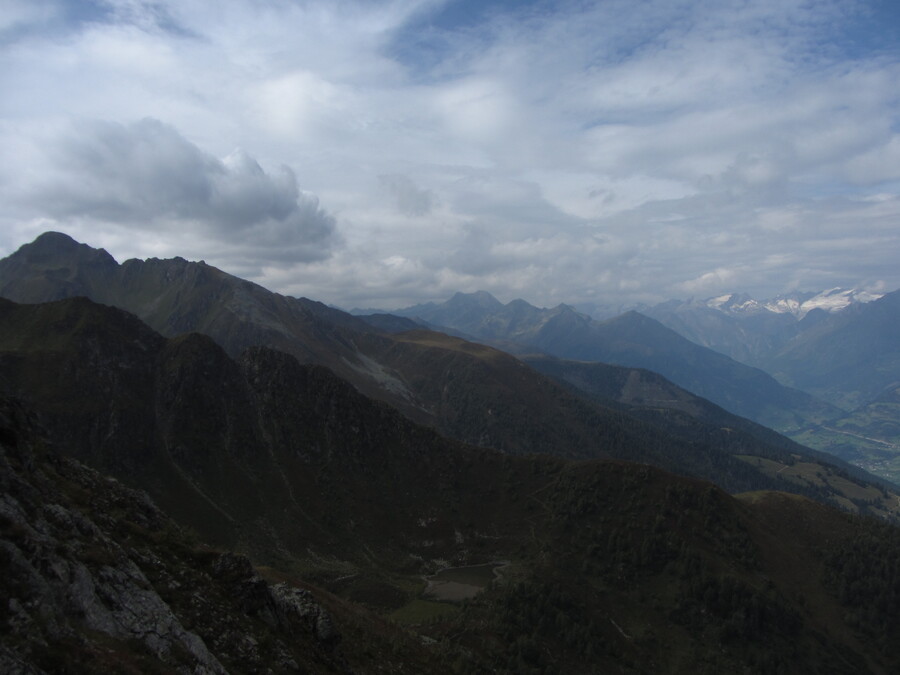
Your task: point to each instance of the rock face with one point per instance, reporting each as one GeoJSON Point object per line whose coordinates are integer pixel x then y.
{"type": "Point", "coordinates": [291, 610]}
{"type": "Point", "coordinates": [93, 577]}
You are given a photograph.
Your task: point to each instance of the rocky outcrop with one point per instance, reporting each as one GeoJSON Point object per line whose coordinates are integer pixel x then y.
{"type": "Point", "coordinates": [291, 610]}
{"type": "Point", "coordinates": [93, 578]}
{"type": "Point", "coordinates": [64, 578]}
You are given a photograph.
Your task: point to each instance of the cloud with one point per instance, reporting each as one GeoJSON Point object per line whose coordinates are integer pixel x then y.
{"type": "Point", "coordinates": [409, 199]}
{"type": "Point", "coordinates": [17, 15]}
{"type": "Point", "coordinates": [557, 151]}
{"type": "Point", "coordinates": [708, 282]}
{"type": "Point", "coordinates": [147, 175]}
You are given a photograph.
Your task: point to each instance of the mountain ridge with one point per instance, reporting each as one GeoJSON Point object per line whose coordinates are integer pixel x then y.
{"type": "Point", "coordinates": [475, 396]}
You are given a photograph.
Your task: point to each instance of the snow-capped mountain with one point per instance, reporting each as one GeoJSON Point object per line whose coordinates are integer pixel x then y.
{"type": "Point", "coordinates": [833, 300]}
{"type": "Point", "coordinates": [751, 330]}
{"type": "Point", "coordinates": [797, 304]}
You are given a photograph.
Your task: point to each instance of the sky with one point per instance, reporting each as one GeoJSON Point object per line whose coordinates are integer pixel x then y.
{"type": "Point", "coordinates": [382, 153]}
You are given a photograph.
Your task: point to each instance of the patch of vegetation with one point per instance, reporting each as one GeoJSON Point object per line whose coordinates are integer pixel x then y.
{"type": "Point", "coordinates": [863, 570]}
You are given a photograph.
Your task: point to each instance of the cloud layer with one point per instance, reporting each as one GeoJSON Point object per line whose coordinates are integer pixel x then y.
{"type": "Point", "coordinates": [556, 151]}
{"type": "Point", "coordinates": [146, 181]}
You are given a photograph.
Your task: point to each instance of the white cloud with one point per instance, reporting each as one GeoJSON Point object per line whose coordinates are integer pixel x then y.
{"type": "Point", "coordinates": [709, 282]}
{"type": "Point", "coordinates": [586, 150]}
{"type": "Point", "coordinates": [18, 14]}
{"type": "Point", "coordinates": [146, 176]}
{"type": "Point", "coordinates": [409, 199]}
{"type": "Point", "coordinates": [878, 165]}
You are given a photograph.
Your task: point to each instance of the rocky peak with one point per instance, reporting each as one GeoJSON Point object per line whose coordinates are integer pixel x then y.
{"type": "Point", "coordinates": [53, 247]}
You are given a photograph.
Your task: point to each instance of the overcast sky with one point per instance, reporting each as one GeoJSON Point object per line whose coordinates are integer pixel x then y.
{"type": "Point", "coordinates": [383, 153]}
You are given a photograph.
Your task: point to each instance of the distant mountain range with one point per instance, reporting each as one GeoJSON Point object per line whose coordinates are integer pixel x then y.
{"type": "Point", "coordinates": [824, 366]}
{"type": "Point", "coordinates": [632, 340]}
{"type": "Point", "coordinates": [851, 357]}
{"type": "Point", "coordinates": [797, 304]}
{"type": "Point", "coordinates": [840, 346]}
{"type": "Point", "coordinates": [366, 527]}
{"type": "Point", "coordinates": [752, 331]}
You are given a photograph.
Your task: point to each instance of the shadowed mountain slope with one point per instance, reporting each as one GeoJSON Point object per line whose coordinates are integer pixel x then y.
{"type": "Point", "coordinates": [648, 396]}
{"type": "Point", "coordinates": [180, 410]}
{"type": "Point", "coordinates": [474, 394]}
{"type": "Point", "coordinates": [609, 566]}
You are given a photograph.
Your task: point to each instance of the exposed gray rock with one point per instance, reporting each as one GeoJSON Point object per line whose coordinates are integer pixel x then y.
{"type": "Point", "coordinates": [281, 606]}
{"type": "Point", "coordinates": [296, 608]}
{"type": "Point", "coordinates": [94, 576]}
{"type": "Point", "coordinates": [54, 594]}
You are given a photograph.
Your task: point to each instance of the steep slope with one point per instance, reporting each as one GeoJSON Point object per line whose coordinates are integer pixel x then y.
{"type": "Point", "coordinates": [633, 339]}
{"type": "Point", "coordinates": [746, 337]}
{"type": "Point", "coordinates": [608, 565]}
{"type": "Point", "coordinates": [95, 578]}
{"type": "Point", "coordinates": [679, 414]}
{"type": "Point", "coordinates": [192, 426]}
{"type": "Point", "coordinates": [176, 296]}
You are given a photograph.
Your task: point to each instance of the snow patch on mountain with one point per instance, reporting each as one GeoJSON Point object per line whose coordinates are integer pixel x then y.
{"type": "Point", "coordinates": [832, 300]}
{"type": "Point", "coordinates": [797, 304]}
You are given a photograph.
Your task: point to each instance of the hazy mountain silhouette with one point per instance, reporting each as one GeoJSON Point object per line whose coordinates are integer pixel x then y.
{"type": "Point", "coordinates": [635, 340]}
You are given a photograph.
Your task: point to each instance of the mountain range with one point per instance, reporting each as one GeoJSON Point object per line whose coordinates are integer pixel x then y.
{"type": "Point", "coordinates": [825, 368]}
{"type": "Point", "coordinates": [632, 340]}
{"type": "Point", "coordinates": [848, 356]}
{"type": "Point", "coordinates": [797, 304]}
{"type": "Point", "coordinates": [238, 422]}
{"type": "Point", "coordinates": [464, 390]}
{"type": "Point", "coordinates": [755, 332]}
